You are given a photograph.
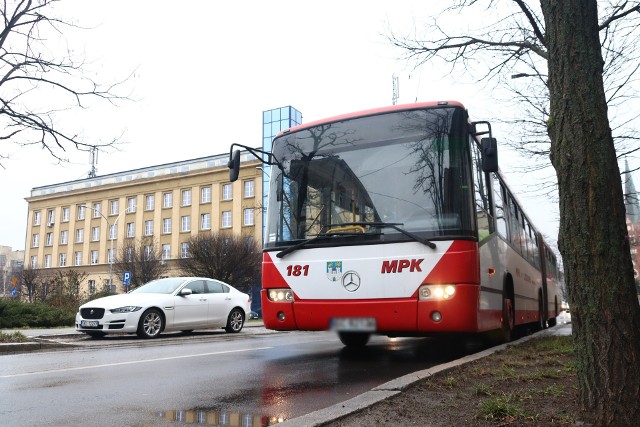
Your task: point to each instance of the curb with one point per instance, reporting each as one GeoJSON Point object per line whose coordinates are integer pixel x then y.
{"type": "Point", "coordinates": [24, 347]}
{"type": "Point", "coordinates": [394, 387]}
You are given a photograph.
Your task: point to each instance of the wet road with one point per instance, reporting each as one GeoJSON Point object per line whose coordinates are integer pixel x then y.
{"type": "Point", "coordinates": [243, 380]}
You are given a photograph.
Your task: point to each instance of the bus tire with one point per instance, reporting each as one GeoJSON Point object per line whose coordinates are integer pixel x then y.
{"type": "Point", "coordinates": [354, 339]}
{"type": "Point", "coordinates": [508, 319]}
{"type": "Point", "coordinates": [542, 323]}
{"type": "Point", "coordinates": [552, 320]}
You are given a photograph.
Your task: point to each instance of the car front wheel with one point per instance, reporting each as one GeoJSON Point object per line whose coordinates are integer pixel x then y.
{"type": "Point", "coordinates": [235, 321]}
{"type": "Point", "coordinates": [151, 324]}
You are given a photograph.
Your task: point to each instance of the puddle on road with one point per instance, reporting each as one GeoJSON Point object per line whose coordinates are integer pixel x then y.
{"type": "Point", "coordinates": [212, 417]}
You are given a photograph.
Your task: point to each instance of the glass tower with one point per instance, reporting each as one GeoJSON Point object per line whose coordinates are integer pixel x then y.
{"type": "Point", "coordinates": [273, 122]}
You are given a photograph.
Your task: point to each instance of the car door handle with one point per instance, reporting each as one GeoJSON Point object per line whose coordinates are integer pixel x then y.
{"type": "Point", "coordinates": [203, 299]}
{"type": "Point", "coordinates": [227, 299]}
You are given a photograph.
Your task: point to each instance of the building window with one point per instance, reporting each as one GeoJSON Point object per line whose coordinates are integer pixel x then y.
{"type": "Point", "coordinates": [248, 216]}
{"type": "Point", "coordinates": [113, 231]}
{"type": "Point", "coordinates": [62, 260]}
{"type": "Point", "coordinates": [185, 223]}
{"type": "Point", "coordinates": [95, 234]}
{"type": "Point", "coordinates": [94, 257]}
{"type": "Point", "coordinates": [81, 212]}
{"type": "Point", "coordinates": [249, 188]}
{"type": "Point", "coordinates": [48, 239]}
{"type": "Point", "coordinates": [226, 219]}
{"type": "Point", "coordinates": [184, 250]}
{"type": "Point", "coordinates": [47, 261]}
{"type": "Point", "coordinates": [132, 203]}
{"type": "Point", "coordinates": [78, 258]}
{"type": "Point", "coordinates": [131, 229]}
{"type": "Point", "coordinates": [35, 241]}
{"type": "Point", "coordinates": [92, 287]}
{"type": "Point", "coordinates": [148, 252]}
{"type": "Point", "coordinates": [205, 195]}
{"type": "Point", "coordinates": [34, 261]}
{"type": "Point", "coordinates": [79, 235]}
{"type": "Point", "coordinates": [65, 214]}
{"type": "Point", "coordinates": [109, 286]}
{"type": "Point", "coordinates": [113, 207]}
{"type": "Point", "coordinates": [166, 251]}
{"type": "Point", "coordinates": [36, 217]}
{"type": "Point", "coordinates": [167, 200]}
{"type": "Point", "coordinates": [148, 228]}
{"type": "Point", "coordinates": [149, 202]}
{"type": "Point", "coordinates": [129, 253]}
{"type": "Point", "coordinates": [64, 237]}
{"type": "Point", "coordinates": [227, 192]}
{"type": "Point", "coordinates": [111, 255]}
{"type": "Point", "coordinates": [205, 221]}
{"type": "Point", "coordinates": [166, 225]}
{"type": "Point", "coordinates": [97, 210]}
{"type": "Point", "coordinates": [50, 217]}
{"type": "Point", "coordinates": [186, 197]}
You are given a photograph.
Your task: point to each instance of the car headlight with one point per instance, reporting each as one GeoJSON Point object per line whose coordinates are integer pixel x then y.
{"type": "Point", "coordinates": [280, 295]}
{"type": "Point", "coordinates": [436, 292]}
{"type": "Point", "coordinates": [125, 309]}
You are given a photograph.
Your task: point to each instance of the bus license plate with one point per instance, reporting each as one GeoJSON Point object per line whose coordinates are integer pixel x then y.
{"type": "Point", "coordinates": [89, 323]}
{"type": "Point", "coordinates": [353, 324]}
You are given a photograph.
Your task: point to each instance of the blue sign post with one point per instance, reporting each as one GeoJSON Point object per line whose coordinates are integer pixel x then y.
{"type": "Point", "coordinates": [126, 280]}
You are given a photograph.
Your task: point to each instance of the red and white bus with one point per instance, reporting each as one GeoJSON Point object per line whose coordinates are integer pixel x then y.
{"type": "Point", "coordinates": [396, 221]}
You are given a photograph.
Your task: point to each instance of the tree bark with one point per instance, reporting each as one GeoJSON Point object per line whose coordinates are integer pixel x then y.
{"type": "Point", "coordinates": [593, 237]}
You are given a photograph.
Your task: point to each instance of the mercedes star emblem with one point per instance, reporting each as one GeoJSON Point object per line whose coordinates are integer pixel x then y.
{"type": "Point", "coordinates": [351, 281]}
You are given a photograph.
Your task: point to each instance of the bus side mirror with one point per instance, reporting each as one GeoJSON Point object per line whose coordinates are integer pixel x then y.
{"type": "Point", "coordinates": [234, 165]}
{"type": "Point", "coordinates": [489, 147]}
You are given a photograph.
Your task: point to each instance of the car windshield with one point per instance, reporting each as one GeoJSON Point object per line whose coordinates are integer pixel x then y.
{"type": "Point", "coordinates": [160, 286]}
{"type": "Point", "coordinates": [373, 177]}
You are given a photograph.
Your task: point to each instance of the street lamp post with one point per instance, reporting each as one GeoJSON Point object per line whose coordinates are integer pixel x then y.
{"type": "Point", "coordinates": [112, 238]}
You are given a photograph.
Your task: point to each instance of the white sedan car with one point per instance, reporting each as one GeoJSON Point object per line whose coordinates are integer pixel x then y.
{"type": "Point", "coordinates": [163, 305]}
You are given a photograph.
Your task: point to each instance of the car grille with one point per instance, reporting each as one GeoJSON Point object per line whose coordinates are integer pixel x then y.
{"type": "Point", "coordinates": [92, 313]}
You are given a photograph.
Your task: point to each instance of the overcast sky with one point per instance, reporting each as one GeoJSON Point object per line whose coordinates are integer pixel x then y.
{"type": "Point", "coordinates": [203, 72]}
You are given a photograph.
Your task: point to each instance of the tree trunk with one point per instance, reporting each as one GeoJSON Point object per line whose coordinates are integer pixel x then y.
{"type": "Point", "coordinates": [593, 236]}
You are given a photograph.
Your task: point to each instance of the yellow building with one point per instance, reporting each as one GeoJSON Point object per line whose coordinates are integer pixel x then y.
{"type": "Point", "coordinates": [81, 224]}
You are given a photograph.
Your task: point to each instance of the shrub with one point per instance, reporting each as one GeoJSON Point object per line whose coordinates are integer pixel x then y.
{"type": "Point", "coordinates": [17, 314]}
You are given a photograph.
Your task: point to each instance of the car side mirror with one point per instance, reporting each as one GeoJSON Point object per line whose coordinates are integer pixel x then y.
{"type": "Point", "coordinates": [184, 292]}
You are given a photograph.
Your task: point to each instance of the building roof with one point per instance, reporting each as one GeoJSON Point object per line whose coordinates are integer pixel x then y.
{"type": "Point", "coordinates": [183, 166]}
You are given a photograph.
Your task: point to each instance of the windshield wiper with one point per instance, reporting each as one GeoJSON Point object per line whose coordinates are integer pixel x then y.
{"type": "Point", "coordinates": [395, 226]}
{"type": "Point", "coordinates": [330, 234]}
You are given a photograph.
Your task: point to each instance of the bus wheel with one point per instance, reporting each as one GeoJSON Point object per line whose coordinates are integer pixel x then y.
{"type": "Point", "coordinates": [508, 319]}
{"type": "Point", "coordinates": [542, 323]}
{"type": "Point", "coordinates": [354, 339]}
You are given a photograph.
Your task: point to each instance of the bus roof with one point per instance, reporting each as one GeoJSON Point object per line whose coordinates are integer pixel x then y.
{"type": "Point", "coordinates": [371, 112]}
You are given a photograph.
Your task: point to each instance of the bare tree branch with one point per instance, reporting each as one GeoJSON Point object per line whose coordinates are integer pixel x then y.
{"type": "Point", "coordinates": [32, 75]}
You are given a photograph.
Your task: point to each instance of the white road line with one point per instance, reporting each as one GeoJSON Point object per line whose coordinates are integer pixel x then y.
{"type": "Point", "coordinates": [132, 362]}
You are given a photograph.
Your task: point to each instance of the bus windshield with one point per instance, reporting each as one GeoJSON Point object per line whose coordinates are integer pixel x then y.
{"type": "Point", "coordinates": [410, 169]}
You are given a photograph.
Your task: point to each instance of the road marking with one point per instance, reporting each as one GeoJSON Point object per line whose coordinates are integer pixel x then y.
{"type": "Point", "coordinates": [132, 362]}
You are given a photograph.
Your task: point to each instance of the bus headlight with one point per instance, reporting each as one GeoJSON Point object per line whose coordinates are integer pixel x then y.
{"type": "Point", "coordinates": [280, 295]}
{"type": "Point", "coordinates": [436, 292]}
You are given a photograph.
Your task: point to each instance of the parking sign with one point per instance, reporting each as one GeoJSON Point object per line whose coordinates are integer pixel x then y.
{"type": "Point", "coordinates": [126, 278]}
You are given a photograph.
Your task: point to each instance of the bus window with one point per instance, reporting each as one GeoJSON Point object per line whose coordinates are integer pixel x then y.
{"type": "Point", "coordinates": [498, 199]}
{"type": "Point", "coordinates": [514, 226]}
{"type": "Point", "coordinates": [483, 211]}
